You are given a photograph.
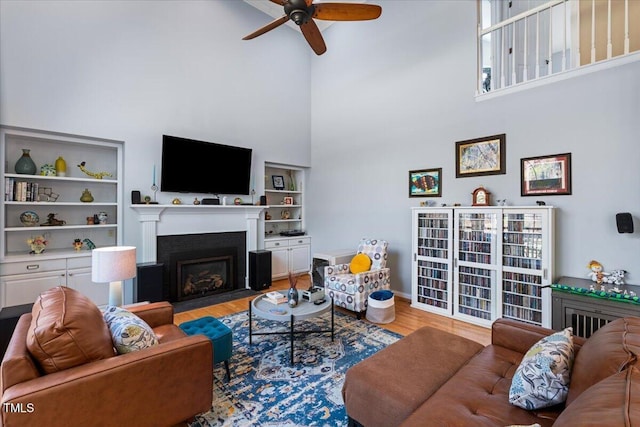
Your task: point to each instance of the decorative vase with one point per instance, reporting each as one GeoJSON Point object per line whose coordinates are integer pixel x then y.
{"type": "Point", "coordinates": [61, 167]}
{"type": "Point", "coordinates": [292, 297]}
{"type": "Point", "coordinates": [25, 164]}
{"type": "Point", "coordinates": [37, 244]}
{"type": "Point", "coordinates": [86, 196]}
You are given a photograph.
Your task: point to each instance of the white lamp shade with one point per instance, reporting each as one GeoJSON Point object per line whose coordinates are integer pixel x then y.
{"type": "Point", "coordinates": [113, 263]}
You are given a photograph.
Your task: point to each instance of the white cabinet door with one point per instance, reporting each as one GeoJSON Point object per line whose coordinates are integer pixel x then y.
{"type": "Point", "coordinates": [299, 259]}
{"type": "Point", "coordinates": [279, 262]}
{"type": "Point", "coordinates": [80, 280]}
{"type": "Point", "coordinates": [25, 288]}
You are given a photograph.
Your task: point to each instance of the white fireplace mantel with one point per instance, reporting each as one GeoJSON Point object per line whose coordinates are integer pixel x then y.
{"type": "Point", "coordinates": [166, 220]}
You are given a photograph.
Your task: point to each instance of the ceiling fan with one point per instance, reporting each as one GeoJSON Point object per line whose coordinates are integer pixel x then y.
{"type": "Point", "coordinates": [302, 12]}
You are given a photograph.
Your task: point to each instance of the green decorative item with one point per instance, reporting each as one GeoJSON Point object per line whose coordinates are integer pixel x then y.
{"type": "Point", "coordinates": [89, 244]}
{"type": "Point", "coordinates": [47, 170]}
{"type": "Point", "coordinates": [25, 164]}
{"type": "Point", "coordinates": [86, 196]}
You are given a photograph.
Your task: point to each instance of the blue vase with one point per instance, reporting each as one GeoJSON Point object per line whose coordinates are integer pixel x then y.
{"type": "Point", "coordinates": [25, 164]}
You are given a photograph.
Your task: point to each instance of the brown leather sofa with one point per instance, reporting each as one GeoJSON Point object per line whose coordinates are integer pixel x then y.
{"type": "Point", "coordinates": [162, 385]}
{"type": "Point", "coordinates": [434, 378]}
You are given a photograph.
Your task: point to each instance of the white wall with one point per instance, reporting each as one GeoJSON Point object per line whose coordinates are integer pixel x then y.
{"type": "Point", "coordinates": [395, 94]}
{"type": "Point", "coordinates": [135, 70]}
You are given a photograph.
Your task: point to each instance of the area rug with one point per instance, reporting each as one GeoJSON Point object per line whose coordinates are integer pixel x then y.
{"type": "Point", "coordinates": [266, 390]}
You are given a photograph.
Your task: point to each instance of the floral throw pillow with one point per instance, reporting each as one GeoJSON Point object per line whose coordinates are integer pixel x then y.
{"type": "Point", "coordinates": [543, 377]}
{"type": "Point", "coordinates": [128, 331]}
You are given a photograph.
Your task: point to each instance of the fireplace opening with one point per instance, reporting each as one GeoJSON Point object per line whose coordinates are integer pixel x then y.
{"type": "Point", "coordinates": [201, 277]}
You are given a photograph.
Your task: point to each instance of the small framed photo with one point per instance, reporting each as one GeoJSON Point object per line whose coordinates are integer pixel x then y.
{"type": "Point", "coordinates": [546, 175]}
{"type": "Point", "coordinates": [278, 182]}
{"type": "Point", "coordinates": [288, 200]}
{"type": "Point", "coordinates": [481, 156]}
{"type": "Point", "coordinates": [425, 183]}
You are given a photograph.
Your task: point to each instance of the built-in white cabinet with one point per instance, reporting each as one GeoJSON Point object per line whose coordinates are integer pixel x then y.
{"type": "Point", "coordinates": [284, 213]}
{"type": "Point", "coordinates": [44, 195]}
{"type": "Point", "coordinates": [479, 264]}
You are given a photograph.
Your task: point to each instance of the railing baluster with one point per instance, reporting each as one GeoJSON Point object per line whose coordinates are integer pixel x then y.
{"type": "Point", "coordinates": [593, 31]}
{"type": "Point", "coordinates": [513, 54]}
{"type": "Point", "coordinates": [526, 51]}
{"type": "Point", "coordinates": [550, 70]}
{"type": "Point", "coordinates": [626, 27]}
{"type": "Point", "coordinates": [609, 45]}
{"type": "Point", "coordinates": [537, 44]}
{"type": "Point", "coordinates": [564, 36]}
{"type": "Point", "coordinates": [502, 79]}
{"type": "Point", "coordinates": [576, 35]}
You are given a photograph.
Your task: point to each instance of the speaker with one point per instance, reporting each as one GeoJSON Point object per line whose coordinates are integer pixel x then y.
{"type": "Point", "coordinates": [624, 221]}
{"type": "Point", "coordinates": [149, 282]}
{"type": "Point", "coordinates": [214, 201]}
{"type": "Point", "coordinates": [136, 199]}
{"type": "Point", "coordinates": [263, 200]}
{"type": "Point", "coordinates": [259, 269]}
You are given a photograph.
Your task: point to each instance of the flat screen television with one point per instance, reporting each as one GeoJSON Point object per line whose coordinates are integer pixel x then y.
{"type": "Point", "coordinates": [191, 166]}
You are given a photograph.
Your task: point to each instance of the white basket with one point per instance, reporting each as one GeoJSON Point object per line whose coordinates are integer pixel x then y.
{"type": "Point", "coordinates": [381, 311]}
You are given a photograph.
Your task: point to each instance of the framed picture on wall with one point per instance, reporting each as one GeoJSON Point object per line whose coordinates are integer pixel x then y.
{"type": "Point", "coordinates": [425, 183]}
{"type": "Point", "coordinates": [481, 156]}
{"type": "Point", "coordinates": [546, 175]}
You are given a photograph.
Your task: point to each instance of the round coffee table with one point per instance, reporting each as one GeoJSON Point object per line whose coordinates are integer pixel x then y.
{"type": "Point", "coordinates": [284, 313]}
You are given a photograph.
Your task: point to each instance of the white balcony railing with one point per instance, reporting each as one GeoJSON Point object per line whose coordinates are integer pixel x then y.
{"type": "Point", "coordinates": [551, 38]}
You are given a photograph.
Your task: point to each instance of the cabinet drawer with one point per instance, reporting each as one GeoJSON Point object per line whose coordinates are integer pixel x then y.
{"type": "Point", "coordinates": [79, 262]}
{"type": "Point", "coordinates": [35, 266]}
{"type": "Point", "coordinates": [25, 289]}
{"type": "Point", "coordinates": [300, 241]}
{"type": "Point", "coordinates": [276, 244]}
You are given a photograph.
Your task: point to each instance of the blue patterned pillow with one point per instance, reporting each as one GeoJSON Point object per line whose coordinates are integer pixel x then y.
{"type": "Point", "coordinates": [543, 377]}
{"type": "Point", "coordinates": [128, 331]}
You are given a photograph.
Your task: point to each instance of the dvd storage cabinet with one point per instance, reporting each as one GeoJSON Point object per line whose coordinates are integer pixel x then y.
{"type": "Point", "coordinates": [479, 264]}
{"type": "Point", "coordinates": [74, 208]}
{"type": "Point", "coordinates": [284, 220]}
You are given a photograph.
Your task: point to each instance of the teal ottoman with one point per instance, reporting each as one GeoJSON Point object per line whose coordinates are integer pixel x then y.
{"type": "Point", "coordinates": [220, 335]}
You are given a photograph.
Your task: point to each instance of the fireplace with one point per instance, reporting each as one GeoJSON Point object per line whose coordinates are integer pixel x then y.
{"type": "Point", "coordinates": [200, 265]}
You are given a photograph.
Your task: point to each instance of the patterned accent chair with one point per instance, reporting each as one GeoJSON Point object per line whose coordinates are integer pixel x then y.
{"type": "Point", "coordinates": [352, 291]}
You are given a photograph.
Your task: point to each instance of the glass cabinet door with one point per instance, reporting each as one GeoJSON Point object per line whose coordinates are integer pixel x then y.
{"type": "Point", "coordinates": [523, 272]}
{"type": "Point", "coordinates": [477, 261]}
{"type": "Point", "coordinates": [433, 260]}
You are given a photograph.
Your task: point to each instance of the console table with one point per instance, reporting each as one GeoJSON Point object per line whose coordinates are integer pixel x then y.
{"type": "Point", "coordinates": [573, 304]}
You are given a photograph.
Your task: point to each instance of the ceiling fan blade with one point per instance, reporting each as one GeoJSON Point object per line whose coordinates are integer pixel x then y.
{"type": "Point", "coordinates": [270, 26]}
{"type": "Point", "coordinates": [346, 11]}
{"type": "Point", "coordinates": [311, 32]}
{"type": "Point", "coordinates": [280, 2]}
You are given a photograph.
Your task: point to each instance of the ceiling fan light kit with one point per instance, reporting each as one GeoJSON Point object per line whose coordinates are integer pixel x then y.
{"type": "Point", "coordinates": [302, 12]}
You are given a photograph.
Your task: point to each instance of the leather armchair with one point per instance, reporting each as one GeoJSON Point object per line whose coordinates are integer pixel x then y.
{"type": "Point", "coordinates": [351, 291]}
{"type": "Point", "coordinates": [159, 386]}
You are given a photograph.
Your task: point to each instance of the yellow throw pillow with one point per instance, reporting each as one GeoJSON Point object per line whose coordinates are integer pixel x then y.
{"type": "Point", "coordinates": [359, 264]}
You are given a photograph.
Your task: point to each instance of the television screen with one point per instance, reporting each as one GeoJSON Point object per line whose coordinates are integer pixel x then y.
{"type": "Point", "coordinates": [190, 166]}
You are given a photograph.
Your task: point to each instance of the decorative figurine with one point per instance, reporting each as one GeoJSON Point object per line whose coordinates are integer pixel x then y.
{"type": "Point", "coordinates": [237, 201]}
{"type": "Point", "coordinates": [147, 199]}
{"type": "Point", "coordinates": [102, 218]}
{"type": "Point", "coordinates": [47, 170]}
{"type": "Point", "coordinates": [196, 201]}
{"type": "Point", "coordinates": [292, 294]}
{"type": "Point", "coordinates": [52, 221]}
{"type": "Point", "coordinates": [77, 244]}
{"type": "Point", "coordinates": [96, 175]}
{"type": "Point", "coordinates": [597, 275]}
{"type": "Point", "coordinates": [90, 220]}
{"type": "Point", "coordinates": [616, 277]}
{"type": "Point", "coordinates": [89, 244]}
{"type": "Point", "coordinates": [176, 201]}
{"type": "Point", "coordinates": [37, 244]}
{"type": "Point", "coordinates": [285, 214]}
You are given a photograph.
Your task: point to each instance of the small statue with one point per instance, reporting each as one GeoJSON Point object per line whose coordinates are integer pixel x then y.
{"type": "Point", "coordinates": [89, 244]}
{"type": "Point", "coordinates": [196, 201]}
{"type": "Point", "coordinates": [52, 221]}
{"type": "Point", "coordinates": [616, 277]}
{"type": "Point", "coordinates": [96, 175]}
{"type": "Point", "coordinates": [77, 244]}
{"type": "Point", "coordinates": [176, 201]}
{"type": "Point", "coordinates": [597, 275]}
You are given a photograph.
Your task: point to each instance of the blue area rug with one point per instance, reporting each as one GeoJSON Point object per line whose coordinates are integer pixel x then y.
{"type": "Point", "coordinates": [266, 390]}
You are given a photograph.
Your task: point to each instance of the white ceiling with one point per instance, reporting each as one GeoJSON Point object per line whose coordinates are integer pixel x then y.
{"type": "Point", "coordinates": [276, 11]}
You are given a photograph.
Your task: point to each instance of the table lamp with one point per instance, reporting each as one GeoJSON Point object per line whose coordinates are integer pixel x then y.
{"type": "Point", "coordinates": [113, 264]}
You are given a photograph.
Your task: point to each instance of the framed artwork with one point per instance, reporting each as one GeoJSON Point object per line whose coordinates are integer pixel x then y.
{"type": "Point", "coordinates": [481, 156]}
{"type": "Point", "coordinates": [546, 175]}
{"type": "Point", "coordinates": [288, 200]}
{"type": "Point", "coordinates": [425, 183]}
{"type": "Point", "coordinates": [278, 182]}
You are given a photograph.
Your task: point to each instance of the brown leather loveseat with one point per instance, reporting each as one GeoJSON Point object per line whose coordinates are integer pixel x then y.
{"type": "Point", "coordinates": [434, 378]}
{"type": "Point", "coordinates": [70, 374]}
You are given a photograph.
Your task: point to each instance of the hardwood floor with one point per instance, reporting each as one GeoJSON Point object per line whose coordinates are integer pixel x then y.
{"type": "Point", "coordinates": [407, 320]}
